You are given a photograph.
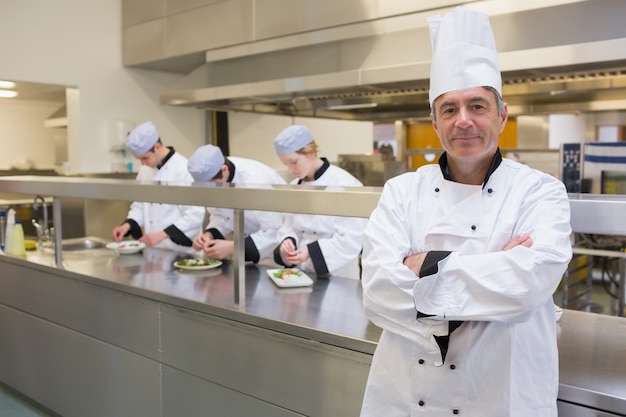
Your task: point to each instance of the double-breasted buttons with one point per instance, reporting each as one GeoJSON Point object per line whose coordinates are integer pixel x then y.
{"type": "Point", "coordinates": [421, 361]}
{"type": "Point", "coordinates": [455, 411]}
{"type": "Point", "coordinates": [421, 403]}
{"type": "Point", "coordinates": [490, 190]}
{"type": "Point", "coordinates": [453, 367]}
{"type": "Point", "coordinates": [437, 189]}
{"type": "Point", "coordinates": [473, 227]}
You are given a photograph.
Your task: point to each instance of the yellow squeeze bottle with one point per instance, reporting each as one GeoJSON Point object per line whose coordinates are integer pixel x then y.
{"type": "Point", "coordinates": [16, 245]}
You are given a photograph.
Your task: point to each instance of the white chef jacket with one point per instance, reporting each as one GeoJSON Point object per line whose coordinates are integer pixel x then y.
{"type": "Point", "coordinates": [334, 242]}
{"type": "Point", "coordinates": [260, 227]}
{"type": "Point", "coordinates": [503, 359]}
{"type": "Point", "coordinates": [154, 217]}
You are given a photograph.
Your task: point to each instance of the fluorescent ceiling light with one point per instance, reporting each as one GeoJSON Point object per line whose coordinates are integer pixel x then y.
{"type": "Point", "coordinates": [8, 94]}
{"type": "Point", "coordinates": [7, 84]}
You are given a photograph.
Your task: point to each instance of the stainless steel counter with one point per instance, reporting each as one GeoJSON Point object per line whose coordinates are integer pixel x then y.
{"type": "Point", "coordinates": [330, 311]}
{"type": "Point", "coordinates": [591, 346]}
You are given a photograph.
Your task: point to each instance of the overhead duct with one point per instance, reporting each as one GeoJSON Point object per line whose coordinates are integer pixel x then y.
{"type": "Point", "coordinates": [557, 56]}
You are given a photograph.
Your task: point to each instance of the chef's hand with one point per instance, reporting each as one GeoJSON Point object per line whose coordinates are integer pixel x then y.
{"type": "Point", "coordinates": [120, 231]}
{"type": "Point", "coordinates": [200, 241]}
{"type": "Point", "coordinates": [287, 246]}
{"type": "Point", "coordinates": [414, 262]}
{"type": "Point", "coordinates": [152, 239]}
{"type": "Point", "coordinates": [298, 256]}
{"type": "Point", "coordinates": [219, 248]}
{"type": "Point", "coordinates": [519, 240]}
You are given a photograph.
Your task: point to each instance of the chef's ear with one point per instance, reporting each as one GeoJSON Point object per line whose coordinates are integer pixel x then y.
{"type": "Point", "coordinates": [433, 120]}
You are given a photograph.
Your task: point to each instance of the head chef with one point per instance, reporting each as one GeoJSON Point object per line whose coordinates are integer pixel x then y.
{"type": "Point", "coordinates": [465, 94]}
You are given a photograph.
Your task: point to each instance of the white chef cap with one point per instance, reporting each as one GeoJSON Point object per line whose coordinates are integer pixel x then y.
{"type": "Point", "coordinates": [142, 138]}
{"type": "Point", "coordinates": [205, 162]}
{"type": "Point", "coordinates": [464, 53]}
{"type": "Point", "coordinates": [292, 139]}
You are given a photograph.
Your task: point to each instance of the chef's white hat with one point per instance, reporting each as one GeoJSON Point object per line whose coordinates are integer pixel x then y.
{"type": "Point", "coordinates": [205, 162]}
{"type": "Point", "coordinates": [464, 53]}
{"type": "Point", "coordinates": [142, 138]}
{"type": "Point", "coordinates": [292, 139]}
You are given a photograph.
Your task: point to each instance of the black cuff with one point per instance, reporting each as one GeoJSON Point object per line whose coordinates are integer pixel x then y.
{"type": "Point", "coordinates": [135, 229]}
{"type": "Point", "coordinates": [251, 252]}
{"type": "Point", "coordinates": [317, 258]}
{"type": "Point", "coordinates": [215, 233]}
{"type": "Point", "coordinates": [429, 266]}
{"type": "Point", "coordinates": [177, 236]}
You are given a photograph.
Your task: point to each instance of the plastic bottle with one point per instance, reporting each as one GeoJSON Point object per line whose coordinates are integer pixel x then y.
{"type": "Point", "coordinates": [9, 228]}
{"type": "Point", "coordinates": [16, 245]}
{"type": "Point", "coordinates": [3, 228]}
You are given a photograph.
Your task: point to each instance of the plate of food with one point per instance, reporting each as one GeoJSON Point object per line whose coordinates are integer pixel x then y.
{"type": "Point", "coordinates": [197, 264]}
{"type": "Point", "coordinates": [126, 247]}
{"type": "Point", "coordinates": [289, 277]}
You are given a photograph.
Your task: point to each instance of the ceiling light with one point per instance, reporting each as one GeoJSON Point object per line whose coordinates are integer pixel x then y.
{"type": "Point", "coordinates": [8, 94]}
{"type": "Point", "coordinates": [7, 84]}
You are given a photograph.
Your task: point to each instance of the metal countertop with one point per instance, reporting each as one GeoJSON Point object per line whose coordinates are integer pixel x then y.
{"type": "Point", "coordinates": [591, 346]}
{"type": "Point", "coordinates": [330, 311]}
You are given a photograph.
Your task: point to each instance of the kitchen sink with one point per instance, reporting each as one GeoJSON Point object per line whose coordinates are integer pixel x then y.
{"type": "Point", "coordinates": [83, 243]}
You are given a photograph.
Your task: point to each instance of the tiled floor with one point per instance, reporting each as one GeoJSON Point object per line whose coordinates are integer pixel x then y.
{"type": "Point", "coordinates": [12, 405]}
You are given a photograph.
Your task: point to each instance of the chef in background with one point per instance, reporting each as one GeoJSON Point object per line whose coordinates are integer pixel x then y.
{"type": "Point", "coordinates": [461, 258]}
{"type": "Point", "coordinates": [209, 164]}
{"type": "Point", "coordinates": [316, 243]}
{"type": "Point", "coordinates": [169, 226]}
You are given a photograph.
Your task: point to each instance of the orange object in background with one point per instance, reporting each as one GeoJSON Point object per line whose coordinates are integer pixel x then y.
{"type": "Point", "coordinates": [422, 136]}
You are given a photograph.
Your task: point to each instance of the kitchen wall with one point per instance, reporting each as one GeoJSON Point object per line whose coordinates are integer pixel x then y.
{"type": "Point", "coordinates": [77, 43]}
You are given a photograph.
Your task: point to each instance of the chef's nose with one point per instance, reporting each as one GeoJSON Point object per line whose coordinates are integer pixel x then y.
{"type": "Point", "coordinates": [463, 118]}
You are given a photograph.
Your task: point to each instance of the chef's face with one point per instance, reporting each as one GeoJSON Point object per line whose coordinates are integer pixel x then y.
{"type": "Point", "coordinates": [298, 164]}
{"type": "Point", "coordinates": [468, 123]}
{"type": "Point", "coordinates": [150, 158]}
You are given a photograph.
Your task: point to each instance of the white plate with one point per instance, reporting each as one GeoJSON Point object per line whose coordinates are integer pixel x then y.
{"type": "Point", "coordinates": [178, 265]}
{"type": "Point", "coordinates": [126, 247]}
{"type": "Point", "coordinates": [298, 279]}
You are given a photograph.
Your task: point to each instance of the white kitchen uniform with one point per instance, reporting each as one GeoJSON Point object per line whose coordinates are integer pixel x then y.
{"type": "Point", "coordinates": [155, 217]}
{"type": "Point", "coordinates": [260, 227]}
{"type": "Point", "coordinates": [502, 360]}
{"type": "Point", "coordinates": [334, 242]}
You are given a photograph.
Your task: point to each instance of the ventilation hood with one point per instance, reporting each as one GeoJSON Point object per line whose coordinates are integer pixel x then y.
{"type": "Point", "coordinates": [555, 56]}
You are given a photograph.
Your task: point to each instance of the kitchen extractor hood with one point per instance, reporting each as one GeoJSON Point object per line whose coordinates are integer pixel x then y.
{"type": "Point", "coordinates": [556, 56]}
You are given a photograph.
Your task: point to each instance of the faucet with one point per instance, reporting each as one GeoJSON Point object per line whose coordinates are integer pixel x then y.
{"type": "Point", "coordinates": [43, 232]}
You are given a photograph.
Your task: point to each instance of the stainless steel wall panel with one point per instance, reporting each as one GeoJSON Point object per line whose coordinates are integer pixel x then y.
{"type": "Point", "coordinates": [111, 316]}
{"type": "Point", "coordinates": [212, 26]}
{"type": "Point", "coordinates": [323, 380]}
{"type": "Point", "coordinates": [396, 7]}
{"type": "Point", "coordinates": [178, 6]}
{"type": "Point", "coordinates": [143, 42]}
{"type": "Point", "coordinates": [189, 396]}
{"type": "Point", "coordinates": [285, 17]}
{"type": "Point", "coordinates": [72, 374]}
{"type": "Point", "coordinates": [140, 11]}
